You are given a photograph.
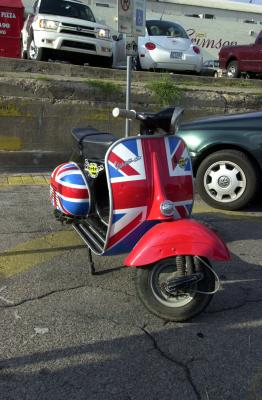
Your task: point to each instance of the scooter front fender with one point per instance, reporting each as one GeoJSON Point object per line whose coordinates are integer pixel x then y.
{"type": "Point", "coordinates": [181, 237]}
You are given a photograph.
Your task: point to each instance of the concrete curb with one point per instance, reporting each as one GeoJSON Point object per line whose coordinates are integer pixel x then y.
{"type": "Point", "coordinates": [37, 115]}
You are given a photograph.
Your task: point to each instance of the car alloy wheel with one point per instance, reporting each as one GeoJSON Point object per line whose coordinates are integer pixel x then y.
{"type": "Point", "coordinates": [233, 70]}
{"type": "Point", "coordinates": [33, 51]}
{"type": "Point", "coordinates": [36, 53]}
{"type": "Point", "coordinates": [227, 179]}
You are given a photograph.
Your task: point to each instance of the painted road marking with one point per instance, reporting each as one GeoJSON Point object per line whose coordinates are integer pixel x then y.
{"type": "Point", "coordinates": [34, 252]}
{"type": "Point", "coordinates": [8, 143]}
{"type": "Point", "coordinates": [27, 255]}
{"type": "Point", "coordinates": [23, 180]}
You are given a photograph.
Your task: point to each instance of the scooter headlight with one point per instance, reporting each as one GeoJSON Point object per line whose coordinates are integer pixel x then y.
{"type": "Point", "coordinates": [167, 208]}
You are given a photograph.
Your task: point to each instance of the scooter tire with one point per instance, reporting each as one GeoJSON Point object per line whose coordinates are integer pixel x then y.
{"type": "Point", "coordinates": [173, 308]}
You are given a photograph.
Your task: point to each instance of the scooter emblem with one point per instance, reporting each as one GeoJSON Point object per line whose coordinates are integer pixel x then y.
{"type": "Point", "coordinates": [92, 169]}
{"type": "Point", "coordinates": [182, 162]}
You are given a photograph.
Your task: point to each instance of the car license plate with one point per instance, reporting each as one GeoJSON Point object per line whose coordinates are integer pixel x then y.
{"type": "Point", "coordinates": [176, 54]}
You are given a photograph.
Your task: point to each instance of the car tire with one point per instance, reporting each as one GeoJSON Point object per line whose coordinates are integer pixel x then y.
{"type": "Point", "coordinates": [107, 62]}
{"type": "Point", "coordinates": [227, 179]}
{"type": "Point", "coordinates": [35, 53]}
{"type": "Point", "coordinates": [23, 52]}
{"type": "Point", "coordinates": [100, 61]}
{"type": "Point", "coordinates": [233, 70]}
{"type": "Point", "coordinates": [136, 66]}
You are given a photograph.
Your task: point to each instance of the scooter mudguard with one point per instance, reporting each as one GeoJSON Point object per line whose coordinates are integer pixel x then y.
{"type": "Point", "coordinates": [181, 237]}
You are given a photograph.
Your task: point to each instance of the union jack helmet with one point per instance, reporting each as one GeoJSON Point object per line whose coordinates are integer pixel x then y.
{"type": "Point", "coordinates": [69, 190]}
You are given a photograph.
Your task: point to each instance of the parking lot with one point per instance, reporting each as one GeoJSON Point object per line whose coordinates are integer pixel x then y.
{"type": "Point", "coordinates": [68, 335]}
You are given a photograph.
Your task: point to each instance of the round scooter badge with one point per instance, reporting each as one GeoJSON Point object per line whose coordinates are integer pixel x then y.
{"type": "Point", "coordinates": [93, 169]}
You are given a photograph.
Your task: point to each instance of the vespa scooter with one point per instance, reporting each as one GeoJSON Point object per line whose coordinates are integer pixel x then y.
{"type": "Point", "coordinates": [135, 195]}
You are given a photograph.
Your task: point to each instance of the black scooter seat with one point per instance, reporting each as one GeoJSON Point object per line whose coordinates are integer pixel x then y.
{"type": "Point", "coordinates": [93, 144]}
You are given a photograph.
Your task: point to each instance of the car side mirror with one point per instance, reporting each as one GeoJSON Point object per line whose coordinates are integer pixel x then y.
{"type": "Point", "coordinates": [116, 38]}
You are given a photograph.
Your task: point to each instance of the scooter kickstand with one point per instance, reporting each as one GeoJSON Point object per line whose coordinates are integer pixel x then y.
{"type": "Point", "coordinates": [91, 262]}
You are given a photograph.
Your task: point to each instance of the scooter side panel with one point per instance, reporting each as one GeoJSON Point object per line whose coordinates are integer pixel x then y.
{"type": "Point", "coordinates": [181, 237]}
{"type": "Point", "coordinates": [129, 168]}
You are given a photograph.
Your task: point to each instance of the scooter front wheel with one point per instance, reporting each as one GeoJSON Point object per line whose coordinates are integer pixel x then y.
{"type": "Point", "coordinates": [184, 303]}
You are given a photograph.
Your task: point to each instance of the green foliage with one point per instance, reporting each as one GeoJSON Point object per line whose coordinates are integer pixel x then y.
{"type": "Point", "coordinates": [237, 83]}
{"type": "Point", "coordinates": [164, 90]}
{"type": "Point", "coordinates": [106, 86]}
{"type": "Point", "coordinates": [42, 78]}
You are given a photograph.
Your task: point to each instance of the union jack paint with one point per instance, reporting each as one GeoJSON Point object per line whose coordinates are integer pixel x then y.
{"type": "Point", "coordinates": [69, 190]}
{"type": "Point", "coordinates": [134, 166]}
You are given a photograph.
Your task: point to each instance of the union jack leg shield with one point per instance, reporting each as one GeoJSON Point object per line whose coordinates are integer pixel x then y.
{"type": "Point", "coordinates": [129, 166]}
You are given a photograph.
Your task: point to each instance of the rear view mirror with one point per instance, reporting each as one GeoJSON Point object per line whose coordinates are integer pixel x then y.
{"type": "Point", "coordinates": [176, 119]}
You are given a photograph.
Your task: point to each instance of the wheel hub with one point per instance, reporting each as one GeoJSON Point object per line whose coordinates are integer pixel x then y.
{"type": "Point", "coordinates": [178, 297]}
{"type": "Point", "coordinates": [174, 285]}
{"type": "Point", "coordinates": [224, 181]}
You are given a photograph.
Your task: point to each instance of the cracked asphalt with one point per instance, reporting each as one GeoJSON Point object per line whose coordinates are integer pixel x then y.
{"type": "Point", "coordinates": [68, 335]}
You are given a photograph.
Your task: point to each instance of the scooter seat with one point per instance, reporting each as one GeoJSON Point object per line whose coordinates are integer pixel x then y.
{"type": "Point", "coordinates": [93, 144]}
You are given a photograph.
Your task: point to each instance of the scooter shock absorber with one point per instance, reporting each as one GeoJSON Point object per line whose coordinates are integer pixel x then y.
{"type": "Point", "coordinates": [190, 265]}
{"type": "Point", "coordinates": [181, 265]}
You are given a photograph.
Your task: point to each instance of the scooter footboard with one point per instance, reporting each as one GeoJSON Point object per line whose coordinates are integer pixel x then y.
{"type": "Point", "coordinates": [181, 237]}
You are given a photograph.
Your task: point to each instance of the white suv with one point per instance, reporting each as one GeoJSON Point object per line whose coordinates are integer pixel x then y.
{"type": "Point", "coordinates": [66, 27]}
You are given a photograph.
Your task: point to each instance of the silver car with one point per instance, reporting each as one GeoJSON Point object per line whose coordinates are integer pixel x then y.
{"type": "Point", "coordinates": [166, 45]}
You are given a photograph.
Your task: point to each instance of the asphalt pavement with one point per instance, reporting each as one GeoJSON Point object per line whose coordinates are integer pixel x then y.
{"type": "Point", "coordinates": [68, 335]}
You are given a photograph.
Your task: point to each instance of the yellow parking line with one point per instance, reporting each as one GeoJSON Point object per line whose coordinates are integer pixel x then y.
{"type": "Point", "coordinates": [15, 180]}
{"type": "Point", "coordinates": [34, 252]}
{"type": "Point", "coordinates": [39, 180]}
{"type": "Point", "coordinates": [27, 180]}
{"type": "Point", "coordinates": [7, 181]}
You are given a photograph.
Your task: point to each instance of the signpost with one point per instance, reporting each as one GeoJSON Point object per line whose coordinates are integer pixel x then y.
{"type": "Point", "coordinates": [131, 21]}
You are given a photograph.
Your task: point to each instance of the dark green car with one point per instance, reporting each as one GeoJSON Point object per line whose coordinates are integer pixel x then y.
{"type": "Point", "coordinates": [226, 154]}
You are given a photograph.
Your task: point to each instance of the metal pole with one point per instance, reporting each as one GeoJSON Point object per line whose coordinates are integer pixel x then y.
{"type": "Point", "coordinates": [128, 91]}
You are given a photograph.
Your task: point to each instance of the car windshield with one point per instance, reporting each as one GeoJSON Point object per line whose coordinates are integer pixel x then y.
{"type": "Point", "coordinates": [165, 28]}
{"type": "Point", "coordinates": [66, 8]}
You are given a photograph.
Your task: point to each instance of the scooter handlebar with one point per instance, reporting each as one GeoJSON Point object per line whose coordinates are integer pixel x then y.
{"type": "Point", "coordinates": [119, 112]}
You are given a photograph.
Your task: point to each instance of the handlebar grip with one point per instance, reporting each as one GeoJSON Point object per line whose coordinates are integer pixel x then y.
{"type": "Point", "coordinates": [119, 112]}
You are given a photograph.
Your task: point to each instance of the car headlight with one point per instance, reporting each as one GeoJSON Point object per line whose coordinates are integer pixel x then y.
{"type": "Point", "coordinates": [48, 24]}
{"type": "Point", "coordinates": [103, 33]}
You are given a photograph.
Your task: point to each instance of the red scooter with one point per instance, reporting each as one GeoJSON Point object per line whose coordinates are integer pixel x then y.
{"type": "Point", "coordinates": [135, 195]}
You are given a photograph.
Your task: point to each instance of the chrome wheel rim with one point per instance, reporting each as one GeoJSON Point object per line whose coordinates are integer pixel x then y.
{"type": "Point", "coordinates": [159, 275]}
{"type": "Point", "coordinates": [231, 71]}
{"type": "Point", "coordinates": [225, 181]}
{"type": "Point", "coordinates": [33, 50]}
